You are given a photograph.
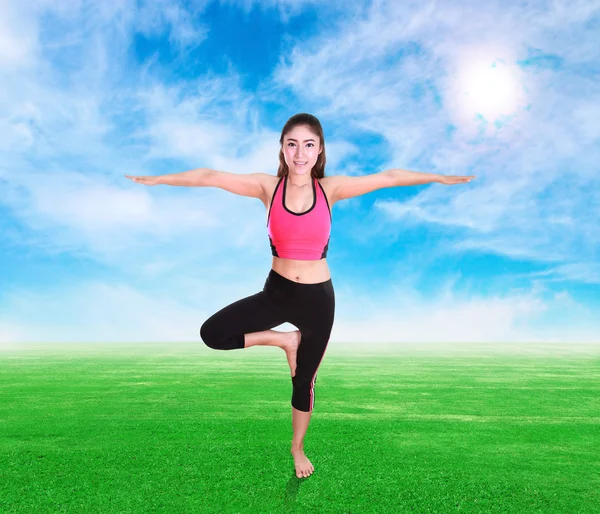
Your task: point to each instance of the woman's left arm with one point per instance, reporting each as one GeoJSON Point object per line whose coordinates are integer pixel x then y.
{"type": "Point", "coordinates": [413, 178]}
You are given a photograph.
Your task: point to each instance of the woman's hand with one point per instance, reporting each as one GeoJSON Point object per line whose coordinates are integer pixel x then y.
{"type": "Point", "coordinates": [455, 179]}
{"type": "Point", "coordinates": [148, 181]}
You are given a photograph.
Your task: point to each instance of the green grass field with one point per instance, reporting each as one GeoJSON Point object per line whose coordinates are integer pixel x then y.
{"type": "Point", "coordinates": [182, 428]}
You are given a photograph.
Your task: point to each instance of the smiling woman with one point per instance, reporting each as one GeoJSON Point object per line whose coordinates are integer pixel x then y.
{"type": "Point", "coordinates": [298, 288]}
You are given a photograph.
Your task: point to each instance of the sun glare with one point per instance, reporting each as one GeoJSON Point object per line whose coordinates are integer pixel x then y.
{"type": "Point", "coordinates": [485, 89]}
{"type": "Point", "coordinates": [489, 90]}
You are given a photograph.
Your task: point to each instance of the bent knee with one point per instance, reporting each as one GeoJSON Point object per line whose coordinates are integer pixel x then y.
{"type": "Point", "coordinates": [207, 336]}
{"type": "Point", "coordinates": [218, 339]}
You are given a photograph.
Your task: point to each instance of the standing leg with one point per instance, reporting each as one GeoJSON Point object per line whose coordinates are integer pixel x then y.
{"type": "Point", "coordinates": [310, 353]}
{"type": "Point", "coordinates": [315, 324]}
{"type": "Point", "coordinates": [300, 421]}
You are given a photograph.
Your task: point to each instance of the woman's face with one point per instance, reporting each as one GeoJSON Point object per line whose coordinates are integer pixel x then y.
{"type": "Point", "coordinates": [301, 148]}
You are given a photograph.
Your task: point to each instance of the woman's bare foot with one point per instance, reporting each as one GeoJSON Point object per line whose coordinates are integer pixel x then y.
{"type": "Point", "coordinates": [304, 467]}
{"type": "Point", "coordinates": [291, 349]}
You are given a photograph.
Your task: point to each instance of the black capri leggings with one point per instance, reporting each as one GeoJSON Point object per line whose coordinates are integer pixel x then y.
{"type": "Point", "coordinates": [310, 307]}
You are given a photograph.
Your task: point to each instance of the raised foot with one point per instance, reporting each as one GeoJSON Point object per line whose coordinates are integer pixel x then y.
{"type": "Point", "coordinates": [304, 467]}
{"type": "Point", "coordinates": [291, 349]}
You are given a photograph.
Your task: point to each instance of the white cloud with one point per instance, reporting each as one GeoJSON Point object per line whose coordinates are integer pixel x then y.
{"type": "Point", "coordinates": [403, 316]}
{"type": "Point", "coordinates": [185, 30]}
{"type": "Point", "coordinates": [110, 312]}
{"type": "Point", "coordinates": [18, 35]}
{"type": "Point", "coordinates": [11, 337]}
{"type": "Point", "coordinates": [93, 215]}
{"type": "Point", "coordinates": [99, 312]}
{"type": "Point", "coordinates": [583, 272]}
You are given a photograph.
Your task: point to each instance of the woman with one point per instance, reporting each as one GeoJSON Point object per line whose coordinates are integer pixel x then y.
{"type": "Point", "coordinates": [298, 288]}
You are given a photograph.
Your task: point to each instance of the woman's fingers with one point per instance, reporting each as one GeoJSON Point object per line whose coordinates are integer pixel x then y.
{"type": "Point", "coordinates": [457, 179]}
{"type": "Point", "coordinates": [149, 181]}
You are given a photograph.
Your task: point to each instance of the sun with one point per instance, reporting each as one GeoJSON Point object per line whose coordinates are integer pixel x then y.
{"type": "Point", "coordinates": [489, 90]}
{"type": "Point", "coordinates": [485, 91]}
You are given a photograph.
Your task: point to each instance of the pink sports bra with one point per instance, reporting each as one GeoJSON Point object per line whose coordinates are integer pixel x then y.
{"type": "Point", "coordinates": [301, 236]}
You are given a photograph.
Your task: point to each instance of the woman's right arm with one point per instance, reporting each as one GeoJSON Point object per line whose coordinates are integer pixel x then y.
{"type": "Point", "coordinates": [197, 177]}
{"type": "Point", "coordinates": [249, 184]}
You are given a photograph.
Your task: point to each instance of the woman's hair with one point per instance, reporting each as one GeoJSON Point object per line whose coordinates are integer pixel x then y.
{"type": "Point", "coordinates": [314, 125]}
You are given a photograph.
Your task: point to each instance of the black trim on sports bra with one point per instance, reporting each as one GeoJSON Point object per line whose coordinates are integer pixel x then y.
{"type": "Point", "coordinates": [273, 249]}
{"type": "Point", "coordinates": [272, 198]}
{"type": "Point", "coordinates": [324, 254]}
{"type": "Point", "coordinates": [328, 208]}
{"type": "Point", "coordinates": [299, 213]}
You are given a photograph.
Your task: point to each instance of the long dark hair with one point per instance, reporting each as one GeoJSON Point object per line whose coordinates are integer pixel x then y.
{"type": "Point", "coordinates": [318, 170]}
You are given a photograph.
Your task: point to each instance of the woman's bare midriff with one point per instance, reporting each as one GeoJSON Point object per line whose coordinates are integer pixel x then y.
{"type": "Point", "coordinates": [304, 272]}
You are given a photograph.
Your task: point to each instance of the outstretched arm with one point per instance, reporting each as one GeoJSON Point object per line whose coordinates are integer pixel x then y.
{"type": "Point", "coordinates": [413, 178]}
{"type": "Point", "coordinates": [243, 184]}
{"type": "Point", "coordinates": [193, 178]}
{"type": "Point", "coordinates": [345, 187]}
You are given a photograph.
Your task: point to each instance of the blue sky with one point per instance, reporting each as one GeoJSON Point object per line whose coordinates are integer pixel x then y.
{"type": "Point", "coordinates": [94, 90]}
